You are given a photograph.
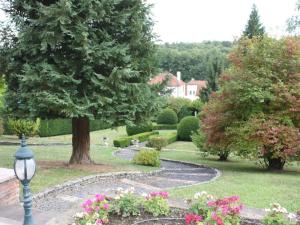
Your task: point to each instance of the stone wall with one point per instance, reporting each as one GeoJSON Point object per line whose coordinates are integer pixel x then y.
{"type": "Point", "coordinates": [9, 187]}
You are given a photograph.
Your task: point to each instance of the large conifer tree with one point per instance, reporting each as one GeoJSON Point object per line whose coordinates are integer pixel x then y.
{"type": "Point", "coordinates": [80, 59]}
{"type": "Point", "coordinates": [254, 26]}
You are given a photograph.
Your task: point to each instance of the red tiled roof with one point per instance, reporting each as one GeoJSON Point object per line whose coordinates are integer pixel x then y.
{"type": "Point", "coordinates": [173, 82]}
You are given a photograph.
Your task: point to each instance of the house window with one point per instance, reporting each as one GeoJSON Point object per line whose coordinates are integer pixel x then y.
{"type": "Point", "coordinates": [191, 92]}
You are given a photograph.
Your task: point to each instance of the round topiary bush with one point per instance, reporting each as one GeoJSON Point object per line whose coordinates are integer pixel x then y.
{"type": "Point", "coordinates": [186, 127]}
{"type": "Point", "coordinates": [167, 116]}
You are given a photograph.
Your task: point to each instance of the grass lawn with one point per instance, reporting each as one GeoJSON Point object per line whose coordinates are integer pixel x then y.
{"type": "Point", "coordinates": [52, 160]}
{"type": "Point", "coordinates": [96, 137]}
{"type": "Point", "coordinates": [256, 186]}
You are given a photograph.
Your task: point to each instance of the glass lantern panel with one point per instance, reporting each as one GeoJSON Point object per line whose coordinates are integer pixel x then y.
{"type": "Point", "coordinates": [20, 169]}
{"type": "Point", "coordinates": [30, 165]}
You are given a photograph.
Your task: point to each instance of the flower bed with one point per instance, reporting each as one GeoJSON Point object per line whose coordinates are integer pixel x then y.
{"type": "Point", "coordinates": [153, 209]}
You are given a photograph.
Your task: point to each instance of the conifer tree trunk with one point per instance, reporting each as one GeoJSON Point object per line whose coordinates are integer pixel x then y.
{"type": "Point", "coordinates": [80, 141]}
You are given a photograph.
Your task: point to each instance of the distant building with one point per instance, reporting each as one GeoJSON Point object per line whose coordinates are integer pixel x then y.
{"type": "Point", "coordinates": [190, 90]}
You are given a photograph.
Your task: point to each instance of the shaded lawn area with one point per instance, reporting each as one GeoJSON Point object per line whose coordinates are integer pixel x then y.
{"type": "Point", "coordinates": [52, 160]}
{"type": "Point", "coordinates": [256, 186]}
{"type": "Point", "coordinates": [96, 137]}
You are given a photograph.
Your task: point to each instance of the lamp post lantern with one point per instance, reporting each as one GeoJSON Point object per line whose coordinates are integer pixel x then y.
{"type": "Point", "coordinates": [24, 167]}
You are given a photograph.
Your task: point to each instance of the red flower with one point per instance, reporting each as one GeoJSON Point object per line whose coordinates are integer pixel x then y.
{"type": "Point", "coordinates": [192, 219]}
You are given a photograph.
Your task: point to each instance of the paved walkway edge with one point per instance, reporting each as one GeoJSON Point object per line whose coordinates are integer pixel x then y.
{"type": "Point", "coordinates": [91, 179]}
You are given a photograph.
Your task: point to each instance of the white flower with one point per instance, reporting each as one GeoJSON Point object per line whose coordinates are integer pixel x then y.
{"type": "Point", "coordinates": [197, 195]}
{"type": "Point", "coordinates": [117, 197]}
{"type": "Point", "coordinates": [144, 195]}
{"type": "Point", "coordinates": [267, 210]}
{"type": "Point", "coordinates": [79, 215]}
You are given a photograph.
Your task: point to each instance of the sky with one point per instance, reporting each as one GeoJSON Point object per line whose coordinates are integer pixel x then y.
{"type": "Point", "coordinates": [220, 20]}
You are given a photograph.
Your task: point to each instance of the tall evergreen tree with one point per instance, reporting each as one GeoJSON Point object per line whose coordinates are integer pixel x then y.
{"type": "Point", "coordinates": [80, 59]}
{"type": "Point", "coordinates": [254, 26]}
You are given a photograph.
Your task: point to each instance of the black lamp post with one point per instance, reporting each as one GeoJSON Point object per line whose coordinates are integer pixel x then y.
{"type": "Point", "coordinates": [24, 167]}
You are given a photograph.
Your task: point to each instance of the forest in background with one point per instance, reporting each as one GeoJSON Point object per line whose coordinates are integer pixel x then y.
{"type": "Point", "coordinates": [201, 61]}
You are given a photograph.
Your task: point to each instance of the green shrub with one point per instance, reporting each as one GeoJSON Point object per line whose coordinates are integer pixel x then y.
{"type": "Point", "coordinates": [158, 142]}
{"type": "Point", "coordinates": [198, 139]}
{"type": "Point", "coordinates": [21, 126]}
{"type": "Point", "coordinates": [165, 127]}
{"type": "Point", "coordinates": [186, 127]}
{"type": "Point", "coordinates": [147, 158]}
{"type": "Point", "coordinates": [126, 141]}
{"type": "Point", "coordinates": [126, 203]}
{"type": "Point", "coordinates": [156, 204]}
{"type": "Point", "coordinates": [177, 103]}
{"type": "Point", "coordinates": [122, 142]}
{"type": "Point", "coordinates": [167, 116]}
{"type": "Point", "coordinates": [172, 137]}
{"type": "Point", "coordinates": [138, 128]}
{"type": "Point", "coordinates": [184, 112]}
{"type": "Point", "coordinates": [169, 138]}
{"type": "Point", "coordinates": [53, 127]}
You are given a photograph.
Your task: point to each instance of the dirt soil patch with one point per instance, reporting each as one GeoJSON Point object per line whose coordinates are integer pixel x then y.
{"type": "Point", "coordinates": [98, 168]}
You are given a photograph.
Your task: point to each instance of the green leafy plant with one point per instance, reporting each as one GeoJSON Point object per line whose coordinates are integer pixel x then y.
{"type": "Point", "coordinates": [126, 203]}
{"type": "Point", "coordinates": [21, 126]}
{"type": "Point", "coordinates": [147, 157]}
{"type": "Point", "coordinates": [277, 215]}
{"type": "Point", "coordinates": [156, 204]}
{"type": "Point", "coordinates": [176, 104]}
{"type": "Point", "coordinates": [184, 112]}
{"type": "Point", "coordinates": [158, 142]}
{"type": "Point", "coordinates": [167, 116]}
{"type": "Point", "coordinates": [198, 139]}
{"type": "Point", "coordinates": [138, 128]}
{"type": "Point", "coordinates": [186, 127]}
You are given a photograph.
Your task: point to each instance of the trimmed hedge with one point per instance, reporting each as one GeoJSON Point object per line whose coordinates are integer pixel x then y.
{"type": "Point", "coordinates": [186, 127]}
{"type": "Point", "coordinates": [165, 127]}
{"type": "Point", "coordinates": [167, 116]}
{"type": "Point", "coordinates": [55, 127]}
{"type": "Point", "coordinates": [169, 139]}
{"type": "Point", "coordinates": [126, 141]}
{"type": "Point", "coordinates": [147, 157]}
{"type": "Point", "coordinates": [138, 128]}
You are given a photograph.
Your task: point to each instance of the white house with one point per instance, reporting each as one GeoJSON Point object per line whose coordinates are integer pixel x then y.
{"type": "Point", "coordinates": [190, 90]}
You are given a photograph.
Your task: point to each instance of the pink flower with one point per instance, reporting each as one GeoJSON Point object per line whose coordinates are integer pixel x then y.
{"type": "Point", "coordinates": [99, 222]}
{"type": "Point", "coordinates": [106, 206]}
{"type": "Point", "coordinates": [162, 194]}
{"type": "Point", "coordinates": [192, 219]}
{"type": "Point", "coordinates": [100, 198]}
{"type": "Point", "coordinates": [88, 210]}
{"type": "Point", "coordinates": [87, 203]}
